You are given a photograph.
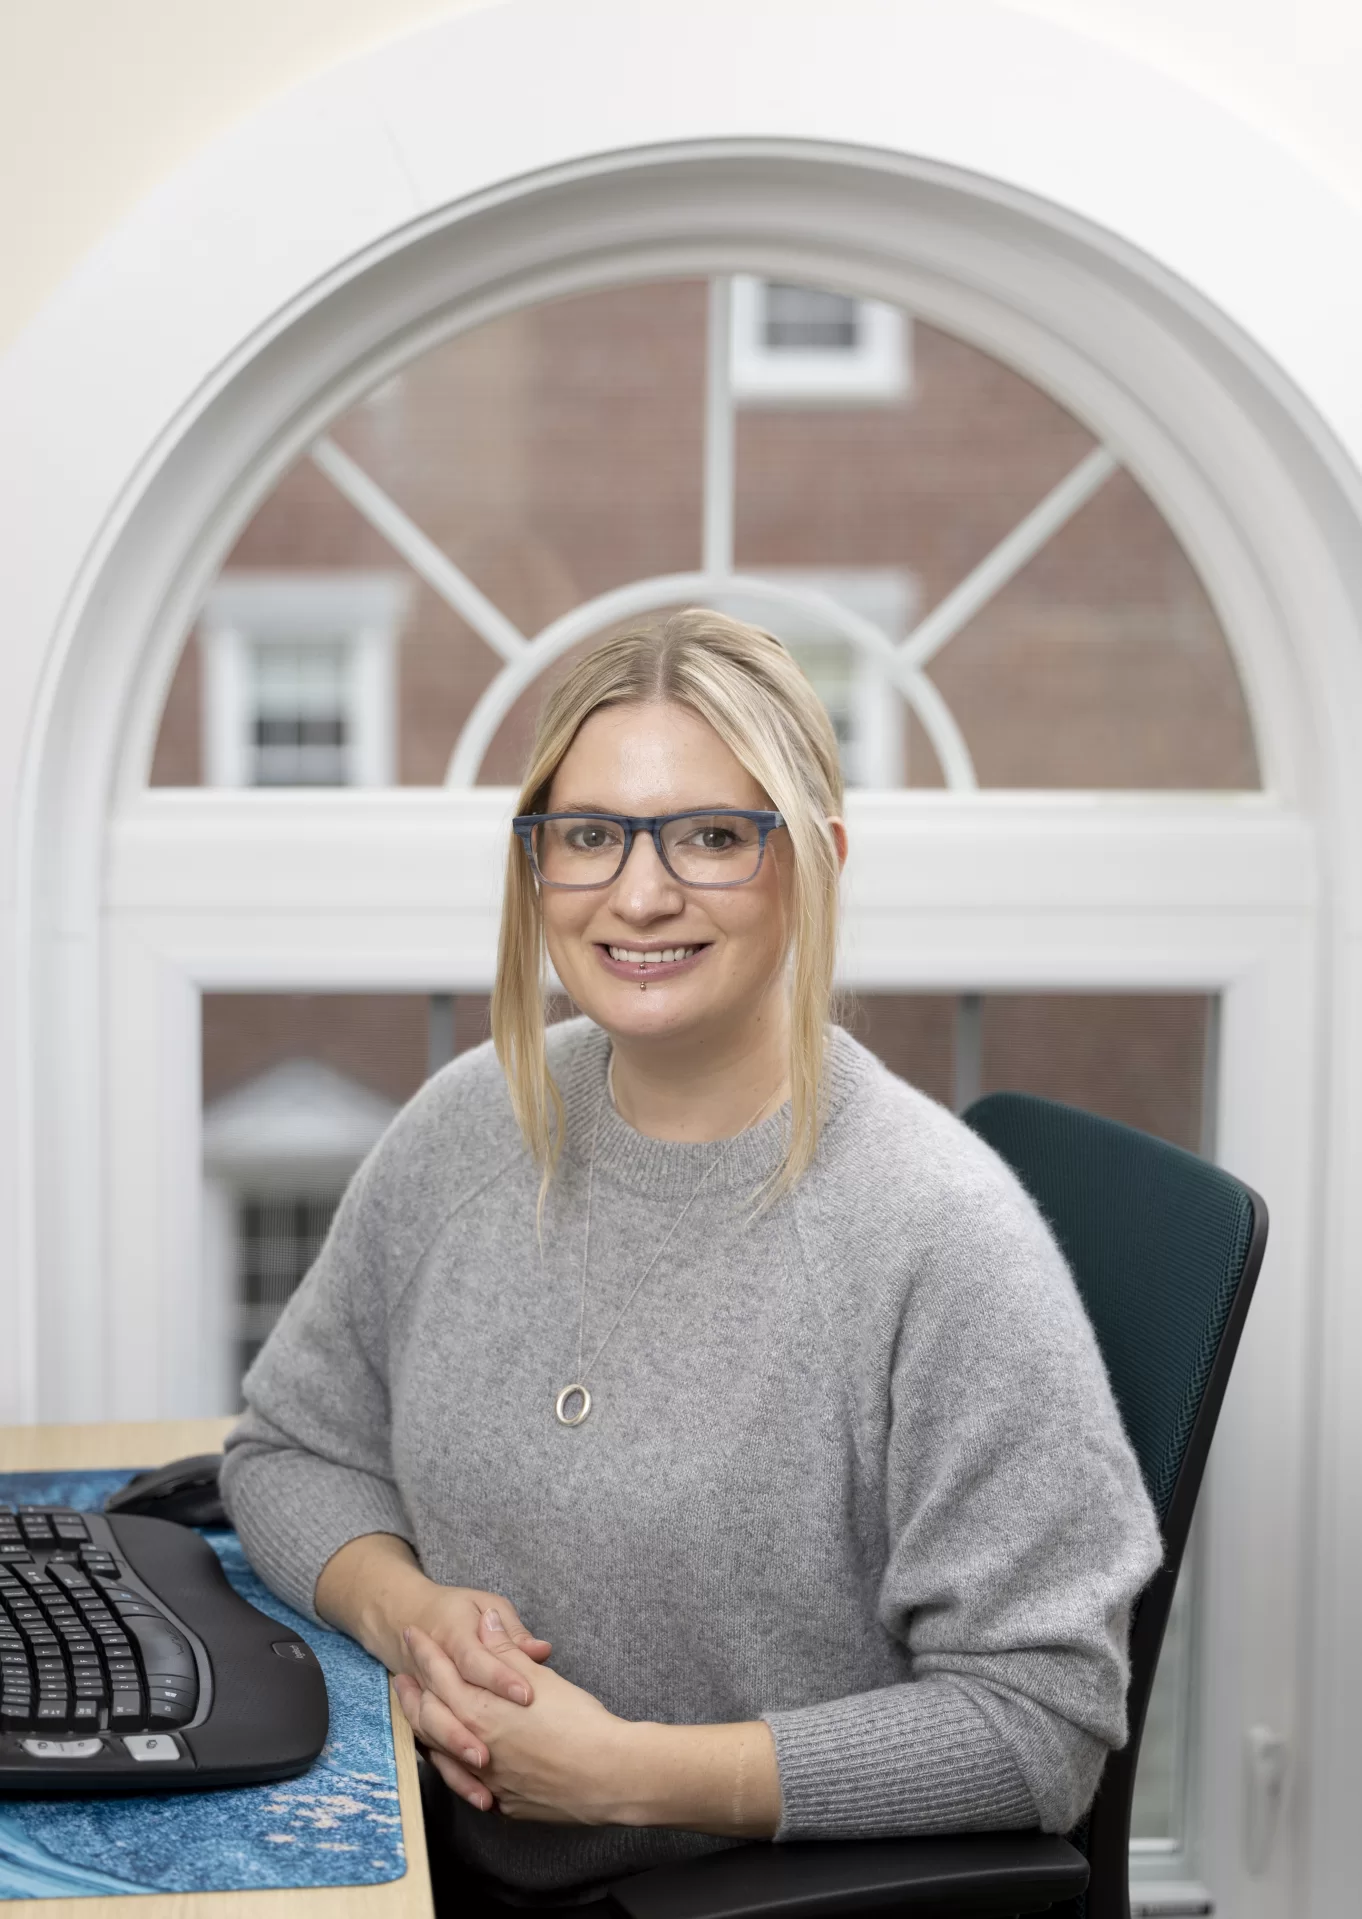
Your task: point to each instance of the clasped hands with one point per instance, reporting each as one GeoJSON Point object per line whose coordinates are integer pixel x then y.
{"type": "Point", "coordinates": [509, 1734]}
{"type": "Point", "coordinates": [502, 1729]}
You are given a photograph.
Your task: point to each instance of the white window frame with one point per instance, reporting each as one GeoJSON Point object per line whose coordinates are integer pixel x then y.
{"type": "Point", "coordinates": [876, 371]}
{"type": "Point", "coordinates": [246, 609]}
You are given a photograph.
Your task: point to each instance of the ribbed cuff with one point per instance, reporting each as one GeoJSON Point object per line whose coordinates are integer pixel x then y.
{"type": "Point", "coordinates": [292, 1511]}
{"type": "Point", "coordinates": [911, 1758]}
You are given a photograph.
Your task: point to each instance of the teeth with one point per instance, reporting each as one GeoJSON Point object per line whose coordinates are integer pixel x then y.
{"type": "Point", "coordinates": [628, 956]}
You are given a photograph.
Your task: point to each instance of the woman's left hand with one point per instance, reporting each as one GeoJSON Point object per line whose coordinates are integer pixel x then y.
{"type": "Point", "coordinates": [560, 1759]}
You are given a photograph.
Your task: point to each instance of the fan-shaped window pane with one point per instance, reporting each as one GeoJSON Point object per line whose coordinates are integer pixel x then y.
{"type": "Point", "coordinates": [976, 589]}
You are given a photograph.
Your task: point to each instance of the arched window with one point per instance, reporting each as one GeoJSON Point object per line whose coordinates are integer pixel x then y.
{"type": "Point", "coordinates": [982, 594]}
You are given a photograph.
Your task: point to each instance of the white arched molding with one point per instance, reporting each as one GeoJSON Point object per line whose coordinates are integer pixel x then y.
{"type": "Point", "coordinates": [1053, 203]}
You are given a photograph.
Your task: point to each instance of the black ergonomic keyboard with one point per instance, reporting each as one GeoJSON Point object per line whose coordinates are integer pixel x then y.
{"type": "Point", "coordinates": [128, 1663]}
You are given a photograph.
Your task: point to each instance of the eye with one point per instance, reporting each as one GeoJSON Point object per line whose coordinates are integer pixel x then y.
{"type": "Point", "coordinates": [591, 836]}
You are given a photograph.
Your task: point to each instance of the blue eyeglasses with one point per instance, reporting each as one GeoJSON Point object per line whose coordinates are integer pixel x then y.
{"type": "Point", "coordinates": [709, 848]}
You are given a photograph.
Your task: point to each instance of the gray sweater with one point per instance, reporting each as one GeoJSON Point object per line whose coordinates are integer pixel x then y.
{"type": "Point", "coordinates": [852, 1467]}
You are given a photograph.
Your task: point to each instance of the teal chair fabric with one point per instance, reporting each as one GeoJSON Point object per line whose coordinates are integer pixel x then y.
{"type": "Point", "coordinates": [1165, 1249]}
{"type": "Point", "coordinates": [1157, 1241]}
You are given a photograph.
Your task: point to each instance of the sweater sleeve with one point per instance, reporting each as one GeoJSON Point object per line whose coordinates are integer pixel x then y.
{"type": "Point", "coordinates": [309, 1467]}
{"type": "Point", "coordinates": [1018, 1534]}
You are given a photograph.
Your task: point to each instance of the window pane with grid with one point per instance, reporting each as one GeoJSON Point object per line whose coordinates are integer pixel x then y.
{"type": "Point", "coordinates": [299, 723]}
{"type": "Point", "coordinates": [809, 319]}
{"type": "Point", "coordinates": [279, 1236]}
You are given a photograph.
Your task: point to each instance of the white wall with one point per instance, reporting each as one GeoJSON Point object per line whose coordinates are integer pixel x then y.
{"type": "Point", "coordinates": [101, 99]}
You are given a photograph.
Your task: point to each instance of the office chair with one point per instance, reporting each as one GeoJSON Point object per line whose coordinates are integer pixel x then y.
{"type": "Point", "coordinates": [1166, 1250]}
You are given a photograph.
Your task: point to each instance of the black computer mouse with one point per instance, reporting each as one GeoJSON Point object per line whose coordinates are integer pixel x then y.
{"type": "Point", "coordinates": [186, 1491]}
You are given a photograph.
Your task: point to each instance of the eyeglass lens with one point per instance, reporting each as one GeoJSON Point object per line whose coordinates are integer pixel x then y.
{"type": "Point", "coordinates": [703, 849]}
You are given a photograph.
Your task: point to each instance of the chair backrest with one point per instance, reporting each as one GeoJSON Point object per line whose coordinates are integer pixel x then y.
{"type": "Point", "coordinates": [1165, 1249]}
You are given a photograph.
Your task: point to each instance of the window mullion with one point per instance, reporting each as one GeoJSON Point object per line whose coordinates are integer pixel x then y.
{"type": "Point", "coordinates": [719, 473]}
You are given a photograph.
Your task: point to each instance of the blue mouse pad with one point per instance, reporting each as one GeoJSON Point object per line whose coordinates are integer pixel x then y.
{"type": "Point", "coordinates": [337, 1824]}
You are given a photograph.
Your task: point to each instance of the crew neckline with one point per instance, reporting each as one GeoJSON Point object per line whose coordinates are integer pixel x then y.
{"type": "Point", "coordinates": [669, 1167]}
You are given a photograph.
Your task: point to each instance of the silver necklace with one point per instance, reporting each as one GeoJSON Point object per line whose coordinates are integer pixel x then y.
{"type": "Point", "coordinates": [577, 1388]}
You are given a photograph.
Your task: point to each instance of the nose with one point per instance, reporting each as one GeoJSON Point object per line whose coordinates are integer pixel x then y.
{"type": "Point", "coordinates": [644, 890]}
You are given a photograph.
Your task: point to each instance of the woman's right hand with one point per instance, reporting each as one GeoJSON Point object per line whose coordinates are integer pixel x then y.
{"type": "Point", "coordinates": [452, 1615]}
{"type": "Point", "coordinates": [373, 1589]}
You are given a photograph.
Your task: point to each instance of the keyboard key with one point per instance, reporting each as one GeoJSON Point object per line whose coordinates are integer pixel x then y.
{"type": "Point", "coordinates": [166, 1712]}
{"type": "Point", "coordinates": [157, 1746]}
{"type": "Point", "coordinates": [13, 1552]}
{"type": "Point", "coordinates": [63, 1748]}
{"type": "Point", "coordinates": [159, 1690]}
{"type": "Point", "coordinates": [49, 1711]}
{"type": "Point", "coordinates": [85, 1711]}
{"type": "Point", "coordinates": [69, 1575]}
{"type": "Point", "coordinates": [162, 1648]}
{"type": "Point", "coordinates": [124, 1708]}
{"type": "Point", "coordinates": [70, 1526]}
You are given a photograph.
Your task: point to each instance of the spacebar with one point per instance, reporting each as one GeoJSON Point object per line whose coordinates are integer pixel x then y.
{"type": "Point", "coordinates": [163, 1649]}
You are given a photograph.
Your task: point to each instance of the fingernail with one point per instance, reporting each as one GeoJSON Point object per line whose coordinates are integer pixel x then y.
{"type": "Point", "coordinates": [521, 1695]}
{"type": "Point", "coordinates": [406, 1635]}
{"type": "Point", "coordinates": [470, 1753]}
{"type": "Point", "coordinates": [493, 1621]}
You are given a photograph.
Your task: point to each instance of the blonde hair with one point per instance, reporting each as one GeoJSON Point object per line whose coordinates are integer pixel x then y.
{"type": "Point", "coordinates": [749, 689]}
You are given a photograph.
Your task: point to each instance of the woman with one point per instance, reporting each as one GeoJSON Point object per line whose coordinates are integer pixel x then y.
{"type": "Point", "coordinates": [691, 1337]}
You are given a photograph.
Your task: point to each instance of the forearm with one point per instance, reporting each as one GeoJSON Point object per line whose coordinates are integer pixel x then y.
{"type": "Point", "coordinates": [717, 1779]}
{"type": "Point", "coordinates": [372, 1588]}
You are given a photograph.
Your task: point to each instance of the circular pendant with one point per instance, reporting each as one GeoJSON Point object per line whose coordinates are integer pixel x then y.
{"type": "Point", "coordinates": [566, 1418]}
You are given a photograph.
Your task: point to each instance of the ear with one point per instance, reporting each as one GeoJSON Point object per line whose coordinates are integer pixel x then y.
{"type": "Point", "coordinates": [839, 840]}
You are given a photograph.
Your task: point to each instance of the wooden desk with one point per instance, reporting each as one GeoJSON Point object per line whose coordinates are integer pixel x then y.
{"type": "Point", "coordinates": [59, 1448]}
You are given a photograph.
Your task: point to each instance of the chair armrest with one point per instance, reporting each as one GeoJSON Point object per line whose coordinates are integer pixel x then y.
{"type": "Point", "coordinates": [994, 1873]}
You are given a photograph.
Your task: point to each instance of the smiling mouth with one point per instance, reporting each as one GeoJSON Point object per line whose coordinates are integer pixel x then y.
{"type": "Point", "coordinates": [656, 956]}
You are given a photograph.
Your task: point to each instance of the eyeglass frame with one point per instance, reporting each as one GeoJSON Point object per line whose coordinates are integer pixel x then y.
{"type": "Point", "coordinates": [523, 826]}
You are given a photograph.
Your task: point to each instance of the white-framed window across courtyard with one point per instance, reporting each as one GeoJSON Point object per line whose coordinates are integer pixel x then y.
{"type": "Point", "coordinates": [297, 677]}
{"type": "Point", "coordinates": [794, 344]}
{"type": "Point", "coordinates": [867, 715]}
